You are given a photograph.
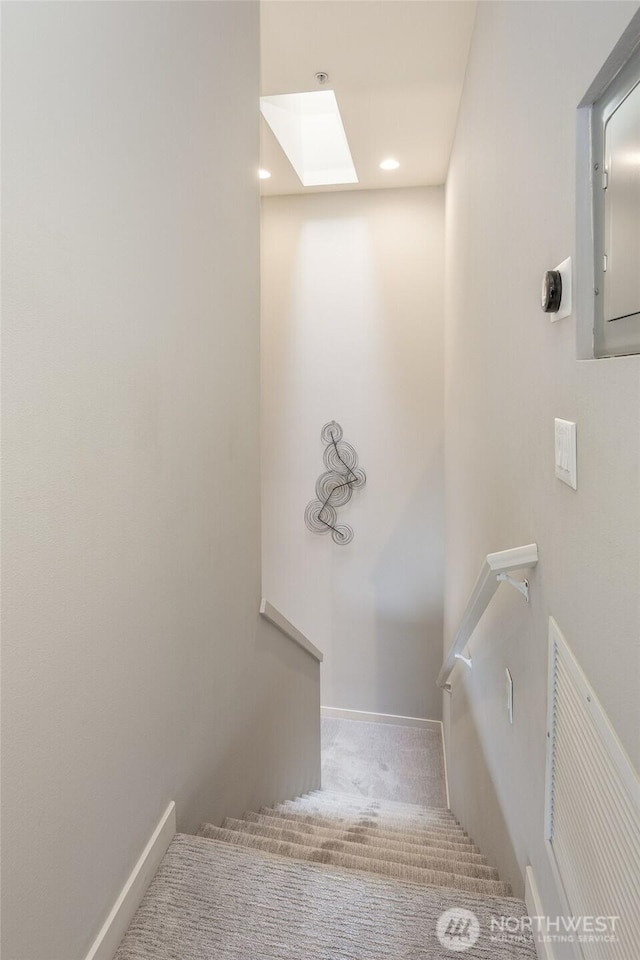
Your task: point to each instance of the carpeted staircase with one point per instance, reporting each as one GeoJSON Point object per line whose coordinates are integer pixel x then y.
{"type": "Point", "coordinates": [324, 877]}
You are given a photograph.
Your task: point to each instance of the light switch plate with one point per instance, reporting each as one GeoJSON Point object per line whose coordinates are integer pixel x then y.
{"type": "Point", "coordinates": [564, 269]}
{"type": "Point", "coordinates": [566, 452]}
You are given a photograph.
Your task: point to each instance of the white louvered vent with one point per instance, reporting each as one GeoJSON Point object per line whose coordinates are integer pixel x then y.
{"type": "Point", "coordinates": [593, 807]}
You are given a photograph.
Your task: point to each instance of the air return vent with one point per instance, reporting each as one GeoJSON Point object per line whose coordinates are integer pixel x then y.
{"type": "Point", "coordinates": [593, 807]}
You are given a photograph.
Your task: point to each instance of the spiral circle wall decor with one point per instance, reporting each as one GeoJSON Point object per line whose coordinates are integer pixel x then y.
{"type": "Point", "coordinates": [335, 486]}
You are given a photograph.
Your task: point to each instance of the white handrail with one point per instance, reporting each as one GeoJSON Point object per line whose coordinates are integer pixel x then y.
{"type": "Point", "coordinates": [494, 570]}
{"type": "Point", "coordinates": [270, 613]}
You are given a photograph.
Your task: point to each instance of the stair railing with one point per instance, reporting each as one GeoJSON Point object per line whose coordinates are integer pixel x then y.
{"type": "Point", "coordinates": [496, 569]}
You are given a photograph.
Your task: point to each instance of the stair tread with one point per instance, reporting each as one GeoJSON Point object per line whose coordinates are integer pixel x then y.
{"type": "Point", "coordinates": [423, 816]}
{"type": "Point", "coordinates": [370, 837]}
{"type": "Point", "coordinates": [390, 829]}
{"type": "Point", "coordinates": [210, 898]}
{"type": "Point", "coordinates": [445, 823]}
{"type": "Point", "coordinates": [402, 871]}
{"type": "Point", "coordinates": [425, 859]}
{"type": "Point", "coordinates": [346, 798]}
{"type": "Point", "coordinates": [413, 812]}
{"type": "Point", "coordinates": [424, 820]}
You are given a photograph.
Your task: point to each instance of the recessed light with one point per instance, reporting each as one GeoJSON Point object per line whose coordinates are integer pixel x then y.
{"type": "Point", "coordinates": [263, 174]}
{"type": "Point", "coordinates": [389, 164]}
{"type": "Point", "coordinates": [309, 128]}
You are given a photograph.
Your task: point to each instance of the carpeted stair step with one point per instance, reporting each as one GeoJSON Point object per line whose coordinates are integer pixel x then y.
{"type": "Point", "coordinates": [399, 871]}
{"type": "Point", "coordinates": [370, 838]}
{"type": "Point", "coordinates": [394, 829]}
{"type": "Point", "coordinates": [439, 818]}
{"type": "Point", "coordinates": [390, 805]}
{"type": "Point", "coordinates": [426, 815]}
{"type": "Point", "coordinates": [369, 810]}
{"type": "Point", "coordinates": [426, 860]}
{"type": "Point", "coordinates": [367, 798]}
{"type": "Point", "coordinates": [312, 805]}
{"type": "Point", "coordinates": [371, 813]}
{"type": "Point", "coordinates": [457, 836]}
{"type": "Point", "coordinates": [373, 827]}
{"type": "Point", "coordinates": [209, 899]}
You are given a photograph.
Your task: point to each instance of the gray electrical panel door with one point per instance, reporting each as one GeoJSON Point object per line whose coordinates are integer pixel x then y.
{"type": "Point", "coordinates": [616, 142]}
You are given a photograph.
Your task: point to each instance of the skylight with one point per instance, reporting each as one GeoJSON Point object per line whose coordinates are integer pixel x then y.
{"type": "Point", "coordinates": [308, 127]}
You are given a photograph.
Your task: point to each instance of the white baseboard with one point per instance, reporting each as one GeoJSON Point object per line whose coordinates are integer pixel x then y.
{"type": "Point", "coordinates": [339, 714]}
{"type": "Point", "coordinates": [115, 926]}
{"type": "Point", "coordinates": [544, 949]}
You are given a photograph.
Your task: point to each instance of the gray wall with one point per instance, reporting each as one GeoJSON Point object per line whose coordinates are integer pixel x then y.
{"type": "Point", "coordinates": [135, 670]}
{"type": "Point", "coordinates": [509, 371]}
{"type": "Point", "coordinates": [353, 330]}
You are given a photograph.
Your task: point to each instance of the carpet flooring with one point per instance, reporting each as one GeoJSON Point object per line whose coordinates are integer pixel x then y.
{"type": "Point", "coordinates": [338, 874]}
{"type": "Point", "coordinates": [383, 760]}
{"type": "Point", "coordinates": [211, 900]}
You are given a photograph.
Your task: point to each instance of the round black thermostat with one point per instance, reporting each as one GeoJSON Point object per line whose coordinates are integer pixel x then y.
{"type": "Point", "coordinates": [551, 291]}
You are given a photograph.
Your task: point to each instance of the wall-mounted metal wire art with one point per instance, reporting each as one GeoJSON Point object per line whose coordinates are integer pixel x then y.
{"type": "Point", "coordinates": [335, 486]}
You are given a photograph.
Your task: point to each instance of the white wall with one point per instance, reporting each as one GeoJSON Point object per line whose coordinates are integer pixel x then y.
{"type": "Point", "coordinates": [353, 331]}
{"type": "Point", "coordinates": [509, 372]}
{"type": "Point", "coordinates": [135, 669]}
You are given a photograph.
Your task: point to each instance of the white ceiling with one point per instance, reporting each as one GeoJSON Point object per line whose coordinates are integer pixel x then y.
{"type": "Point", "coordinates": [396, 67]}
